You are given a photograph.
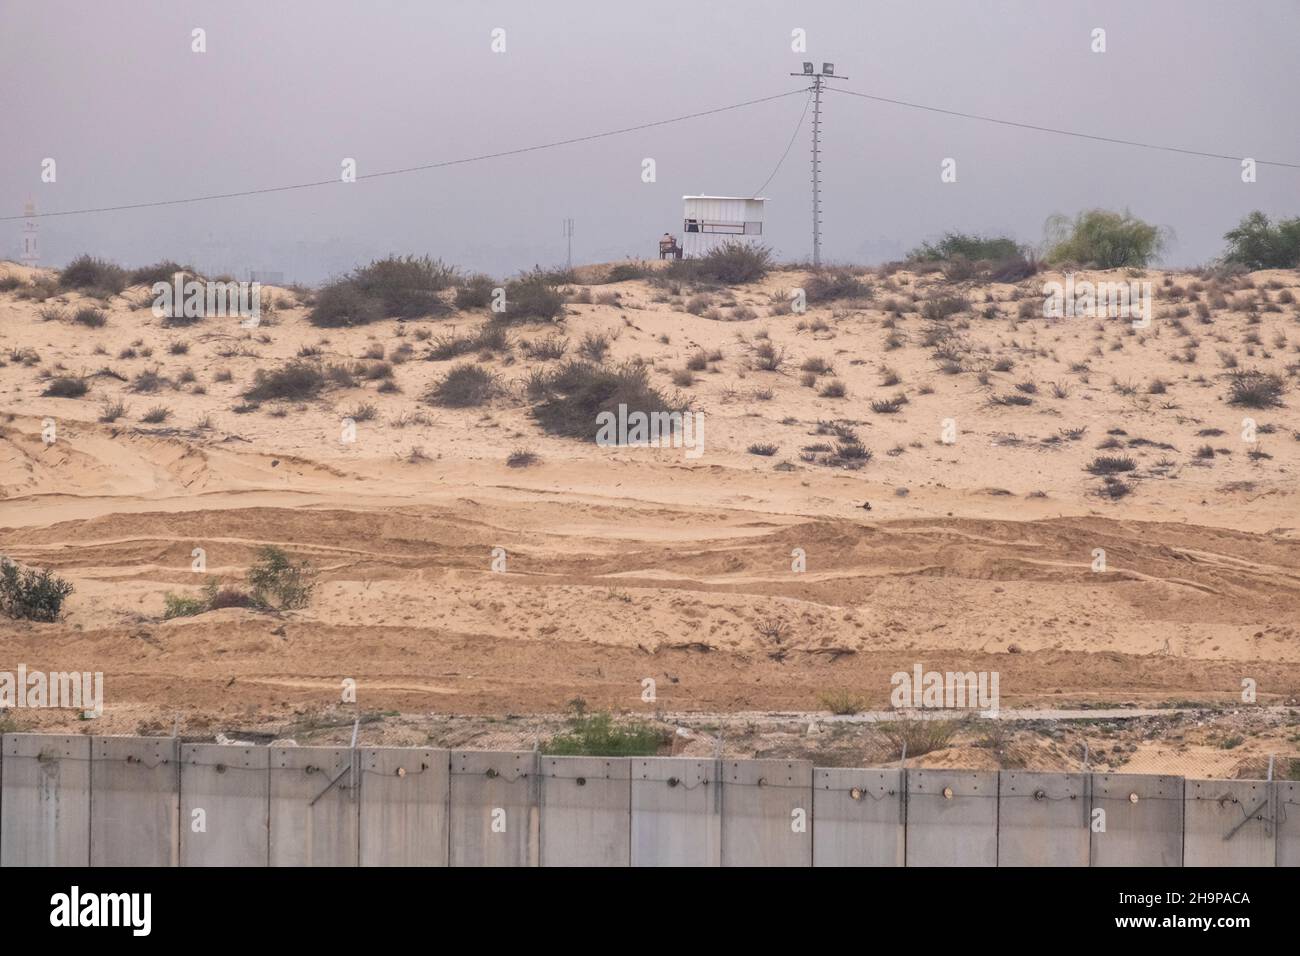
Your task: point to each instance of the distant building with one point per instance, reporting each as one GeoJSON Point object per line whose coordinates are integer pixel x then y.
{"type": "Point", "coordinates": [710, 221]}
{"type": "Point", "coordinates": [31, 255]}
{"type": "Point", "coordinates": [266, 277]}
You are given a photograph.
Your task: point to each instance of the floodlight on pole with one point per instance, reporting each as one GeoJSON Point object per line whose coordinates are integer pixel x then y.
{"type": "Point", "coordinates": [827, 73]}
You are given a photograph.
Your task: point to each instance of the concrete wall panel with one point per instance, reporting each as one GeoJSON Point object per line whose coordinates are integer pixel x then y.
{"type": "Point", "coordinates": [1043, 819]}
{"type": "Point", "coordinates": [1286, 798]}
{"type": "Point", "coordinates": [225, 805]}
{"type": "Point", "coordinates": [586, 811]}
{"type": "Point", "coordinates": [494, 813]}
{"type": "Point", "coordinates": [1229, 823]}
{"type": "Point", "coordinates": [767, 808]}
{"type": "Point", "coordinates": [952, 818]}
{"type": "Point", "coordinates": [404, 797]}
{"type": "Point", "coordinates": [859, 817]}
{"type": "Point", "coordinates": [314, 802]}
{"type": "Point", "coordinates": [676, 812]}
{"type": "Point", "coordinates": [45, 801]}
{"type": "Point", "coordinates": [135, 801]}
{"type": "Point", "coordinates": [1143, 820]}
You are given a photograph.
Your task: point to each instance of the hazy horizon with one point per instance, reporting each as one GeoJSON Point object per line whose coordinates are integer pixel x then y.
{"type": "Point", "coordinates": [283, 94]}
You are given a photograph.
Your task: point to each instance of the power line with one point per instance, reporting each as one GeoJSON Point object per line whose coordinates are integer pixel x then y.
{"type": "Point", "coordinates": [1059, 132]}
{"type": "Point", "coordinates": [797, 126]}
{"type": "Point", "coordinates": [412, 169]}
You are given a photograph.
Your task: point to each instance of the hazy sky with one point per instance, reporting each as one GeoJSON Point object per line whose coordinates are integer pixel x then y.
{"type": "Point", "coordinates": [287, 88]}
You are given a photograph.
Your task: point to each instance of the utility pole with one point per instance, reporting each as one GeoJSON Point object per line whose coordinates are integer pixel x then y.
{"type": "Point", "coordinates": [827, 73]}
{"type": "Point", "coordinates": [568, 234]}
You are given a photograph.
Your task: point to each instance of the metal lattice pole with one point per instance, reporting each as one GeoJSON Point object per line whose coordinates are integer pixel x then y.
{"type": "Point", "coordinates": [827, 72]}
{"type": "Point", "coordinates": [817, 172]}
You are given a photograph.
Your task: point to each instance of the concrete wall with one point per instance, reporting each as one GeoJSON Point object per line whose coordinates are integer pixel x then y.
{"type": "Point", "coordinates": [859, 817]}
{"type": "Point", "coordinates": [127, 801]}
{"type": "Point", "coordinates": [952, 818]}
{"type": "Point", "coordinates": [1043, 818]}
{"type": "Point", "coordinates": [1142, 823]}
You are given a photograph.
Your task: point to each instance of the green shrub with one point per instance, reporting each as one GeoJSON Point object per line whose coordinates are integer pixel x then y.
{"type": "Point", "coordinates": [960, 245]}
{"type": "Point", "coordinates": [405, 287]}
{"type": "Point", "coordinates": [465, 386]}
{"type": "Point", "coordinates": [277, 581]}
{"type": "Point", "coordinates": [475, 292]}
{"type": "Point", "coordinates": [66, 387]}
{"type": "Point", "coordinates": [177, 605]}
{"type": "Point", "coordinates": [916, 736]}
{"type": "Point", "coordinates": [598, 735]}
{"type": "Point", "coordinates": [533, 297]}
{"type": "Point", "coordinates": [575, 393]}
{"type": "Point", "coordinates": [92, 275]}
{"type": "Point", "coordinates": [627, 271]}
{"type": "Point", "coordinates": [830, 286]}
{"type": "Point", "coordinates": [341, 304]}
{"type": "Point", "coordinates": [30, 595]}
{"type": "Point", "coordinates": [734, 262]}
{"type": "Point", "coordinates": [1101, 239]}
{"type": "Point", "coordinates": [90, 317]}
{"type": "Point", "coordinates": [1251, 388]}
{"type": "Point", "coordinates": [294, 381]}
{"type": "Point", "coordinates": [1258, 244]}
{"type": "Point", "coordinates": [158, 272]}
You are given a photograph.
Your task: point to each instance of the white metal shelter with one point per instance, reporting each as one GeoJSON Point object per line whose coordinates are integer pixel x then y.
{"type": "Point", "coordinates": [710, 221]}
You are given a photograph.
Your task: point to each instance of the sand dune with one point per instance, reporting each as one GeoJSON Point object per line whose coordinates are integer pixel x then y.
{"type": "Point", "coordinates": [626, 563]}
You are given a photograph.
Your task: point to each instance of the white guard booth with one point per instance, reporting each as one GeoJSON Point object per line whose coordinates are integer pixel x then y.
{"type": "Point", "coordinates": [710, 221]}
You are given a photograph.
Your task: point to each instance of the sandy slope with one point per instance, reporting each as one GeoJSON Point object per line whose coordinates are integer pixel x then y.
{"type": "Point", "coordinates": [629, 563]}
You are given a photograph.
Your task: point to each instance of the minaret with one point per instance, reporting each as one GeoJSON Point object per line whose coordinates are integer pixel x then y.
{"type": "Point", "coordinates": [31, 255]}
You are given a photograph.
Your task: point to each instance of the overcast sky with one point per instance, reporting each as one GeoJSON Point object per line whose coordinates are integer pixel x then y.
{"type": "Point", "coordinates": [288, 88]}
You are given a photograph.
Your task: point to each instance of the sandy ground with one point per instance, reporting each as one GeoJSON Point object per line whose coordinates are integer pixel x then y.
{"type": "Point", "coordinates": [632, 563]}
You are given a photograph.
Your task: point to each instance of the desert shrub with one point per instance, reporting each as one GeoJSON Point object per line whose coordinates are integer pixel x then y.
{"type": "Point", "coordinates": [1251, 388]}
{"type": "Point", "coordinates": [552, 347]}
{"type": "Point", "coordinates": [39, 289]}
{"type": "Point", "coordinates": [277, 581]}
{"type": "Point", "coordinates": [842, 702]}
{"type": "Point", "coordinates": [1258, 244]}
{"type": "Point", "coordinates": [341, 304]}
{"type": "Point", "coordinates": [943, 306]}
{"type": "Point", "coordinates": [488, 338]}
{"type": "Point", "coordinates": [731, 263]}
{"type": "Point", "coordinates": [1101, 239]}
{"type": "Point", "coordinates": [626, 271]}
{"type": "Point", "coordinates": [8, 283]}
{"type": "Point", "coordinates": [522, 458]}
{"type": "Point", "coordinates": [217, 597]}
{"type": "Point", "coordinates": [960, 245]}
{"type": "Point", "coordinates": [533, 297]}
{"type": "Point", "coordinates": [1110, 465]}
{"type": "Point", "coordinates": [30, 595]}
{"type": "Point", "coordinates": [404, 287]}
{"type": "Point", "coordinates": [599, 735]}
{"type": "Point", "coordinates": [830, 286]}
{"type": "Point", "coordinates": [1013, 268]}
{"type": "Point", "coordinates": [570, 398]}
{"type": "Point", "coordinates": [95, 276]}
{"type": "Point", "coordinates": [465, 386]}
{"type": "Point", "coordinates": [178, 605]}
{"type": "Point", "coordinates": [156, 415]}
{"type": "Point", "coordinates": [764, 449]}
{"type": "Point", "coordinates": [294, 381]}
{"type": "Point", "coordinates": [66, 386]}
{"type": "Point", "coordinates": [594, 346]}
{"type": "Point", "coordinates": [915, 736]}
{"type": "Point", "coordinates": [158, 272]}
{"type": "Point", "coordinates": [90, 317]}
{"type": "Point", "coordinates": [475, 292]}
